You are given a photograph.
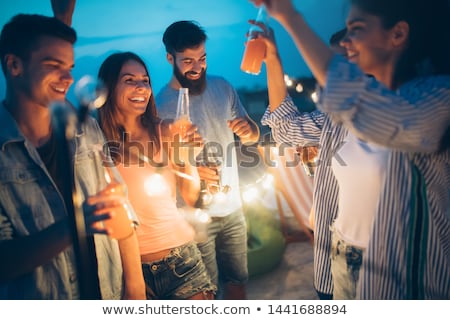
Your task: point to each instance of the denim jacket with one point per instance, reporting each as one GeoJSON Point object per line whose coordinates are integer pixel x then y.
{"type": "Point", "coordinates": [30, 202]}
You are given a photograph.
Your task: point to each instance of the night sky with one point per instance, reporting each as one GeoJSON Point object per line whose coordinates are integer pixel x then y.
{"type": "Point", "coordinates": [105, 26]}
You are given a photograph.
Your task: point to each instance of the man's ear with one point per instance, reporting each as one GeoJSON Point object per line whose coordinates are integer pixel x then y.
{"type": "Point", "coordinates": [14, 64]}
{"type": "Point", "coordinates": [400, 33]}
{"type": "Point", "coordinates": [170, 58]}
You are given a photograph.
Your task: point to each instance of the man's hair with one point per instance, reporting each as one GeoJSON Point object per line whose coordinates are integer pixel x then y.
{"type": "Point", "coordinates": [21, 34]}
{"type": "Point", "coordinates": [182, 35]}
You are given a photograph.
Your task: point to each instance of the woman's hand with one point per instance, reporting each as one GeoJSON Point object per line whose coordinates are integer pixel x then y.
{"type": "Point", "coordinates": [186, 141]}
{"type": "Point", "coordinates": [278, 9]}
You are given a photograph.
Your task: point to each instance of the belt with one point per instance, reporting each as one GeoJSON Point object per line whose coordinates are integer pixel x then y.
{"type": "Point", "coordinates": [155, 256]}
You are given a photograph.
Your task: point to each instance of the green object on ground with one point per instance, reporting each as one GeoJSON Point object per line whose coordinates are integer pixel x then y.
{"type": "Point", "coordinates": [266, 243]}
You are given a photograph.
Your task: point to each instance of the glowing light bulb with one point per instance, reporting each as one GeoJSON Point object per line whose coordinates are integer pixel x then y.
{"type": "Point", "coordinates": [202, 216]}
{"type": "Point", "coordinates": [267, 182]}
{"type": "Point", "coordinates": [314, 97]}
{"type": "Point", "coordinates": [220, 197]}
{"type": "Point", "coordinates": [299, 87]}
{"type": "Point", "coordinates": [156, 185]}
{"type": "Point", "coordinates": [250, 194]}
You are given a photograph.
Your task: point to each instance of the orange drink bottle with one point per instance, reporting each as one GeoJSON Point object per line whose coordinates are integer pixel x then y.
{"type": "Point", "coordinates": [182, 120]}
{"type": "Point", "coordinates": [181, 125]}
{"type": "Point", "coordinates": [309, 159]}
{"type": "Point", "coordinates": [124, 219]}
{"type": "Point", "coordinates": [255, 49]}
{"type": "Point", "coordinates": [120, 225]}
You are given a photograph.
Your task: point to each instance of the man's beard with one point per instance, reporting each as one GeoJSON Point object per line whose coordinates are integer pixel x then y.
{"type": "Point", "coordinates": [196, 87]}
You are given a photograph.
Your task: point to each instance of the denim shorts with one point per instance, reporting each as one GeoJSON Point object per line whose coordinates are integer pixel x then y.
{"type": "Point", "coordinates": [179, 275]}
{"type": "Point", "coordinates": [225, 251]}
{"type": "Point", "coordinates": [346, 261]}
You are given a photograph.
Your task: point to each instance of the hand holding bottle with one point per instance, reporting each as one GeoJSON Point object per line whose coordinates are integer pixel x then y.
{"type": "Point", "coordinates": [107, 206]}
{"type": "Point", "coordinates": [255, 48]}
{"type": "Point", "coordinates": [267, 35]}
{"type": "Point", "coordinates": [108, 213]}
{"type": "Point", "coordinates": [280, 9]}
{"type": "Point", "coordinates": [183, 131]}
{"type": "Point", "coordinates": [188, 142]}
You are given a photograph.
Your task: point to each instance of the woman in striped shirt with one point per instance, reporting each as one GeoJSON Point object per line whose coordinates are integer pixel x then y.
{"type": "Point", "coordinates": [404, 106]}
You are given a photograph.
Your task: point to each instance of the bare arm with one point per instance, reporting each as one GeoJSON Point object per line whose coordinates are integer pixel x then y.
{"type": "Point", "coordinates": [63, 10]}
{"type": "Point", "coordinates": [275, 74]}
{"type": "Point", "coordinates": [132, 270]}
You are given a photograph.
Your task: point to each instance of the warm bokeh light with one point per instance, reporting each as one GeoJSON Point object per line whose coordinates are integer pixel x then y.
{"type": "Point", "coordinates": [250, 194]}
{"type": "Point", "coordinates": [314, 97]}
{"type": "Point", "coordinates": [202, 216]}
{"type": "Point", "coordinates": [267, 181]}
{"type": "Point", "coordinates": [156, 185]}
{"type": "Point", "coordinates": [220, 197]}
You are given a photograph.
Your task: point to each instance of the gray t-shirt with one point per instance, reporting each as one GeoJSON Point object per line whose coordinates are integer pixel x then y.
{"type": "Point", "coordinates": [210, 112]}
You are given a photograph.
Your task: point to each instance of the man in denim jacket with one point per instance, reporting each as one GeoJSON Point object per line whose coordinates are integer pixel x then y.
{"type": "Point", "coordinates": [38, 260]}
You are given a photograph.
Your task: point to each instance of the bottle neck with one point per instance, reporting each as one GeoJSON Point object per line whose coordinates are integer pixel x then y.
{"type": "Point", "coordinates": [183, 104]}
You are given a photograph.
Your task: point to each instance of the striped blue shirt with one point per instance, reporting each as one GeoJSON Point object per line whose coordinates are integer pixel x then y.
{"type": "Point", "coordinates": [290, 126]}
{"type": "Point", "coordinates": [408, 256]}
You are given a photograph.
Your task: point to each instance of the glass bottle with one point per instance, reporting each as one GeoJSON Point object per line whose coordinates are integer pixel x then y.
{"type": "Point", "coordinates": [309, 157]}
{"type": "Point", "coordinates": [255, 48]}
{"type": "Point", "coordinates": [205, 197]}
{"type": "Point", "coordinates": [182, 120]}
{"type": "Point", "coordinates": [110, 183]}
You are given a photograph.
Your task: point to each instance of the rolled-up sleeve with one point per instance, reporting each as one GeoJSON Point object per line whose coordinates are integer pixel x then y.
{"type": "Point", "coordinates": [413, 118]}
{"type": "Point", "coordinates": [290, 126]}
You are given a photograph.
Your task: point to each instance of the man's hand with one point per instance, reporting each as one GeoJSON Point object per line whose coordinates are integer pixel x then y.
{"type": "Point", "coordinates": [211, 176]}
{"type": "Point", "coordinates": [245, 129]}
{"type": "Point", "coordinates": [99, 209]}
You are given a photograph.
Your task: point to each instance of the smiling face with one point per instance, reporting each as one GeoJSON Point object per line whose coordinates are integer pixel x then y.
{"type": "Point", "coordinates": [46, 76]}
{"type": "Point", "coordinates": [133, 91]}
{"type": "Point", "coordinates": [189, 68]}
{"type": "Point", "coordinates": [368, 44]}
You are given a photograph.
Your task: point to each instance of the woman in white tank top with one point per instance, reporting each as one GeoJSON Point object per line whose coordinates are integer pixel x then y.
{"type": "Point", "coordinates": [152, 168]}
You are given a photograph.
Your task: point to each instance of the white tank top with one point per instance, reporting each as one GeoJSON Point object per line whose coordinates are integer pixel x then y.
{"type": "Point", "coordinates": [360, 169]}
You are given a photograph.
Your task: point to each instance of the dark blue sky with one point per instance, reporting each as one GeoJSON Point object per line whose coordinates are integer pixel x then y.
{"type": "Point", "coordinates": [105, 26]}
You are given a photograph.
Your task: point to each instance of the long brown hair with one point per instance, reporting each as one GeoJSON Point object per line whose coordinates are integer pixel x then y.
{"type": "Point", "coordinates": [114, 131]}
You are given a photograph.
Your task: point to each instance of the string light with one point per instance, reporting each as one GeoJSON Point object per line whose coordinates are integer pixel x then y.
{"type": "Point", "coordinates": [156, 185]}
{"type": "Point", "coordinates": [258, 190]}
{"type": "Point", "coordinates": [314, 97]}
{"type": "Point", "coordinates": [202, 216]}
{"type": "Point", "coordinates": [267, 181]}
{"type": "Point", "coordinates": [250, 194]}
{"type": "Point", "coordinates": [220, 197]}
